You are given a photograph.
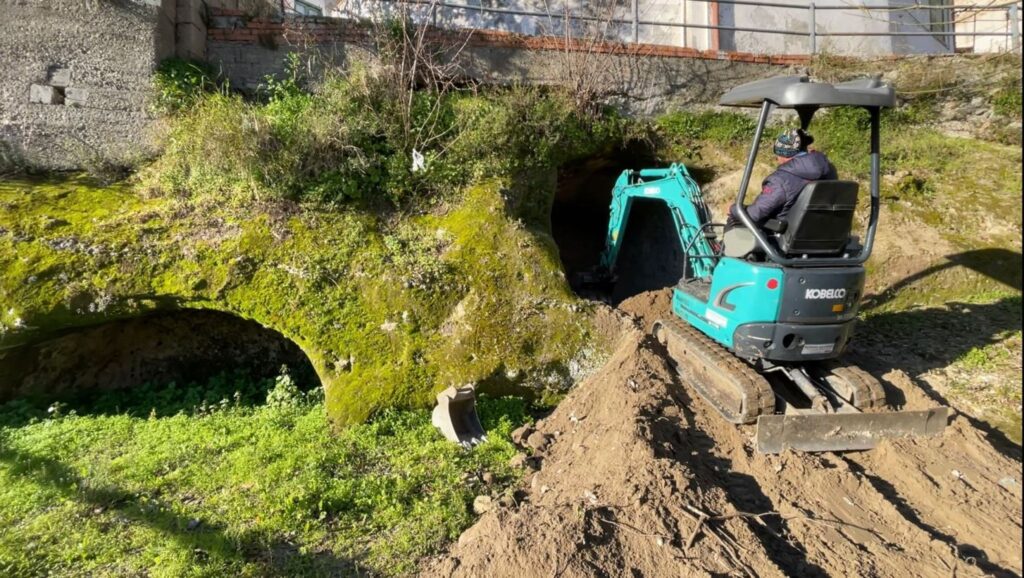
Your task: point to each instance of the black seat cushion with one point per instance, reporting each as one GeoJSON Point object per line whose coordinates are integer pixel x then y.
{"type": "Point", "coordinates": [821, 220]}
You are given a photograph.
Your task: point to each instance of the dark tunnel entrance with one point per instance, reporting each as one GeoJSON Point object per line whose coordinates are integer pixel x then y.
{"type": "Point", "coordinates": [178, 347]}
{"type": "Point", "coordinates": [650, 257]}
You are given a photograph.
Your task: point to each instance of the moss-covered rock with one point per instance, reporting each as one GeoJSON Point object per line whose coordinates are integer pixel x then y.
{"type": "Point", "coordinates": [387, 313]}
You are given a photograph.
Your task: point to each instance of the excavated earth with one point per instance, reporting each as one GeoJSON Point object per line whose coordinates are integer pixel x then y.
{"type": "Point", "coordinates": [635, 477]}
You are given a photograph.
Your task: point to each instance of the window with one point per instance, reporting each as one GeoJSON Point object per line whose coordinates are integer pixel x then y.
{"type": "Point", "coordinates": [307, 9]}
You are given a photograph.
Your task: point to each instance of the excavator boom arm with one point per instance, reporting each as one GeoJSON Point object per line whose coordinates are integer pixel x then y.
{"type": "Point", "coordinates": [690, 215]}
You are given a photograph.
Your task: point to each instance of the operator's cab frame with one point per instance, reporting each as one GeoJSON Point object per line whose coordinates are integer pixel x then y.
{"type": "Point", "coordinates": [792, 294]}
{"type": "Point", "coordinates": [817, 232]}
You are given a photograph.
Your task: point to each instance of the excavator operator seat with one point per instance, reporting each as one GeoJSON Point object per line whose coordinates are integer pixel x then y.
{"type": "Point", "coordinates": [821, 219]}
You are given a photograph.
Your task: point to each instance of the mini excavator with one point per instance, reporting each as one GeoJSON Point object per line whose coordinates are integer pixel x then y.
{"type": "Point", "coordinates": [760, 320]}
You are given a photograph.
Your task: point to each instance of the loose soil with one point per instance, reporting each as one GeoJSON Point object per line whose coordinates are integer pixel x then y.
{"type": "Point", "coordinates": [641, 479]}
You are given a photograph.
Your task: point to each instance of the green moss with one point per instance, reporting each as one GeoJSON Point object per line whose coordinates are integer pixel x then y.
{"type": "Point", "coordinates": [388, 314]}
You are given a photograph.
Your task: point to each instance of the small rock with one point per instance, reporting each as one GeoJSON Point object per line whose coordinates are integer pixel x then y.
{"type": "Point", "coordinates": [957, 474]}
{"type": "Point", "coordinates": [192, 524]}
{"type": "Point", "coordinates": [482, 504]}
{"type": "Point", "coordinates": [538, 441]}
{"type": "Point", "coordinates": [544, 489]}
{"type": "Point", "coordinates": [1009, 483]}
{"type": "Point", "coordinates": [518, 461]}
{"type": "Point", "coordinates": [98, 510]}
{"type": "Point", "coordinates": [590, 496]}
{"type": "Point", "coordinates": [506, 501]}
{"type": "Point", "coordinates": [519, 435]}
{"type": "Point", "coordinates": [488, 478]}
{"type": "Point", "coordinates": [53, 223]}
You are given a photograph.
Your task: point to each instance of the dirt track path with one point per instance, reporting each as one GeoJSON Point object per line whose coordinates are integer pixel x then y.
{"type": "Point", "coordinates": [635, 461]}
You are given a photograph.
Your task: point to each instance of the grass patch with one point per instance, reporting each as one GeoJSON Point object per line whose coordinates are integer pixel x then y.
{"type": "Point", "coordinates": [685, 134]}
{"type": "Point", "coordinates": [231, 488]}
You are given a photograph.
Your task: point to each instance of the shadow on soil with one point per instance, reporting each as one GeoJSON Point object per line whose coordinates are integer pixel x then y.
{"type": "Point", "coordinates": [1000, 265]}
{"type": "Point", "coordinates": [963, 551]}
{"type": "Point", "coordinates": [918, 341]}
{"type": "Point", "coordinates": [709, 468]}
{"type": "Point", "coordinates": [275, 557]}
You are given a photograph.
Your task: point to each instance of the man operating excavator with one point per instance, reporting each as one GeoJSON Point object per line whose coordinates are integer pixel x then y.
{"type": "Point", "coordinates": [798, 166]}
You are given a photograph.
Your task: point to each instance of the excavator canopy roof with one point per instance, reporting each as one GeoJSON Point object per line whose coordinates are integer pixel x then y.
{"type": "Point", "coordinates": [800, 92]}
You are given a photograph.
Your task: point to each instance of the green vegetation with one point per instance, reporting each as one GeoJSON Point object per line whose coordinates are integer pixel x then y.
{"type": "Point", "coordinates": [1007, 101]}
{"type": "Point", "coordinates": [301, 210]}
{"type": "Point", "coordinates": [179, 84]}
{"type": "Point", "coordinates": [686, 133]}
{"type": "Point", "coordinates": [233, 487]}
{"type": "Point", "coordinates": [352, 138]}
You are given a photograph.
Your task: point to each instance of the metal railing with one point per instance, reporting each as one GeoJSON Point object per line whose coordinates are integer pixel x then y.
{"type": "Point", "coordinates": [946, 34]}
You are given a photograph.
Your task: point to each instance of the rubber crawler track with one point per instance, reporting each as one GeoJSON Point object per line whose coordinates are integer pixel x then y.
{"type": "Point", "coordinates": [868, 392]}
{"type": "Point", "coordinates": [696, 349]}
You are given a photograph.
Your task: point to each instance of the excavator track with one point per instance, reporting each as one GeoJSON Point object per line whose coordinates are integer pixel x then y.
{"type": "Point", "coordinates": [731, 386]}
{"type": "Point", "coordinates": [857, 386]}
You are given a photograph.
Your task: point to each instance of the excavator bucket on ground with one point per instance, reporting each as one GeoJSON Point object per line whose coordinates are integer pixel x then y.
{"type": "Point", "coordinates": [455, 415]}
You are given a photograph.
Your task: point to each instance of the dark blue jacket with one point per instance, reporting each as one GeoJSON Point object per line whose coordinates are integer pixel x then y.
{"type": "Point", "coordinates": [780, 190]}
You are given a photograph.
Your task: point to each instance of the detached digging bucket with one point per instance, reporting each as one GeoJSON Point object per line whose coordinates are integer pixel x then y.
{"type": "Point", "coordinates": [455, 415]}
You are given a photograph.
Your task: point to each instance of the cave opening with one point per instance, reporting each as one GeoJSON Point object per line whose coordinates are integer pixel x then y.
{"type": "Point", "coordinates": [173, 359]}
{"type": "Point", "coordinates": [650, 257]}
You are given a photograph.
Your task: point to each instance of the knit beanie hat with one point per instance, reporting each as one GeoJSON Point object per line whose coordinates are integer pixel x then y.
{"type": "Point", "coordinates": [791, 143]}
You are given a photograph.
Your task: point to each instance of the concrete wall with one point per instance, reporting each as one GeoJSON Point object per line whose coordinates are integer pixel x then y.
{"type": "Point", "coordinates": [90, 63]}
{"type": "Point", "coordinates": [798, 20]}
{"type": "Point", "coordinates": [641, 79]}
{"type": "Point", "coordinates": [697, 13]}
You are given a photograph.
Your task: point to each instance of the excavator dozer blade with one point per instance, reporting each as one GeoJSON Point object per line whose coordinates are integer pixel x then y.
{"type": "Point", "coordinates": [455, 415]}
{"type": "Point", "coordinates": [845, 431]}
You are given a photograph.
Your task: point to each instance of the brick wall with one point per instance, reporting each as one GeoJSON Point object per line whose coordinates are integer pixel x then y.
{"type": "Point", "coordinates": [647, 78]}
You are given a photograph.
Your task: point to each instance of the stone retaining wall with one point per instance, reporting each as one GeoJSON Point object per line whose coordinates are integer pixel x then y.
{"type": "Point", "coordinates": [75, 78]}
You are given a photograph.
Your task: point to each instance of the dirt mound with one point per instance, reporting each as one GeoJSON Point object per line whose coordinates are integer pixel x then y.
{"type": "Point", "coordinates": [639, 479]}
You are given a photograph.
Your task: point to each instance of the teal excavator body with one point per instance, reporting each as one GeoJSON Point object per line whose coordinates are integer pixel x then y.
{"type": "Point", "coordinates": [763, 313]}
{"type": "Point", "coordinates": [757, 309]}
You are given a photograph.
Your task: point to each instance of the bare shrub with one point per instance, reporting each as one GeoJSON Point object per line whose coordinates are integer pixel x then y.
{"type": "Point", "coordinates": [594, 62]}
